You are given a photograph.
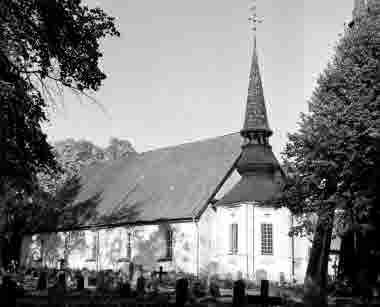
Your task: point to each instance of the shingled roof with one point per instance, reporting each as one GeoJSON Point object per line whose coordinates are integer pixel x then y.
{"type": "Point", "coordinates": [168, 184]}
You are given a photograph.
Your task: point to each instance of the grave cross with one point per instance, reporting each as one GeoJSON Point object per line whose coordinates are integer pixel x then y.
{"type": "Point", "coordinates": [160, 273]}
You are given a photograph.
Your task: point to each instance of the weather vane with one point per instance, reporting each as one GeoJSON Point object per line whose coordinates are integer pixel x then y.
{"type": "Point", "coordinates": [254, 19]}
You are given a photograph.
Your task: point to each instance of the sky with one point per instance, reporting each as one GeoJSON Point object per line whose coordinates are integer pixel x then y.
{"type": "Point", "coordinates": [179, 72]}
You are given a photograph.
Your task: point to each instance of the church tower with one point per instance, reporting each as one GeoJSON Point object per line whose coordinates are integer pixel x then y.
{"type": "Point", "coordinates": [257, 165]}
{"type": "Point", "coordinates": [257, 155]}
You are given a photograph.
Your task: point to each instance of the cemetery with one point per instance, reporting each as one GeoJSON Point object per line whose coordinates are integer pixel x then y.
{"type": "Point", "coordinates": [68, 288]}
{"type": "Point", "coordinates": [218, 222]}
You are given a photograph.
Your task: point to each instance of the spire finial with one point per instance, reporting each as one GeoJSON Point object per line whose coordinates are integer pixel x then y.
{"type": "Point", "coordinates": [254, 19]}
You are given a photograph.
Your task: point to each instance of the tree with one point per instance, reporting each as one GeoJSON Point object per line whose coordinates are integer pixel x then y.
{"type": "Point", "coordinates": [117, 148]}
{"type": "Point", "coordinates": [334, 158]}
{"type": "Point", "coordinates": [74, 156]}
{"type": "Point", "coordinates": [45, 46]}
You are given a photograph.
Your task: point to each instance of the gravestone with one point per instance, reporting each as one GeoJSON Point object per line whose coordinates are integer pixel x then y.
{"type": "Point", "coordinates": [197, 289]}
{"type": "Point", "coordinates": [131, 270]}
{"type": "Point", "coordinates": [62, 264]}
{"type": "Point", "coordinates": [80, 281]}
{"type": "Point", "coordinates": [42, 283]}
{"type": "Point", "coordinates": [238, 298]}
{"type": "Point", "coordinates": [264, 288]}
{"type": "Point", "coordinates": [214, 288]}
{"type": "Point", "coordinates": [100, 282]}
{"type": "Point", "coordinates": [62, 280]}
{"type": "Point", "coordinates": [8, 292]}
{"type": "Point", "coordinates": [154, 283]}
{"type": "Point", "coordinates": [140, 286]}
{"type": "Point", "coordinates": [86, 276]}
{"type": "Point", "coordinates": [181, 291]}
{"type": "Point", "coordinates": [125, 289]}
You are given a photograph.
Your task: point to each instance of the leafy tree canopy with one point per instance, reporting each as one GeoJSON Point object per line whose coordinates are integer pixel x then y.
{"type": "Point", "coordinates": [334, 158]}
{"type": "Point", "coordinates": [45, 45]}
{"type": "Point", "coordinates": [73, 156]}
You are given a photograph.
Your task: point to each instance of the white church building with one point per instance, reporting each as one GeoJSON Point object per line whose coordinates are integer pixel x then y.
{"type": "Point", "coordinates": [196, 208]}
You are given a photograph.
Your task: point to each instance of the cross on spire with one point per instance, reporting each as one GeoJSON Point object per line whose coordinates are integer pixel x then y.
{"type": "Point", "coordinates": [254, 19]}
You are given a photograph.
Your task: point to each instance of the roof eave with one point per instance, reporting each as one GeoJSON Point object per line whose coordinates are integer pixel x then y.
{"type": "Point", "coordinates": [216, 190]}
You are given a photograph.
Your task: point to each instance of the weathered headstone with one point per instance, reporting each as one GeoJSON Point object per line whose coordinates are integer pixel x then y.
{"type": "Point", "coordinates": [154, 283]}
{"type": "Point", "coordinates": [140, 286]}
{"type": "Point", "coordinates": [181, 291]}
{"type": "Point", "coordinates": [42, 281]}
{"type": "Point", "coordinates": [86, 276]}
{"type": "Point", "coordinates": [125, 289]}
{"type": "Point", "coordinates": [264, 288]}
{"type": "Point", "coordinates": [100, 282]}
{"type": "Point", "coordinates": [62, 264]}
{"type": "Point", "coordinates": [131, 270]}
{"type": "Point", "coordinates": [198, 290]}
{"type": "Point", "coordinates": [80, 281]}
{"type": "Point", "coordinates": [62, 280]}
{"type": "Point", "coordinates": [239, 297]}
{"type": "Point", "coordinates": [214, 288]}
{"type": "Point", "coordinates": [8, 292]}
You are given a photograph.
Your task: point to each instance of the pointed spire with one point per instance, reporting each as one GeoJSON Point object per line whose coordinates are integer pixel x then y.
{"type": "Point", "coordinates": [256, 119]}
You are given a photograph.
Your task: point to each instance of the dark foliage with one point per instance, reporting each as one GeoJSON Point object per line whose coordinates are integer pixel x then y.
{"type": "Point", "coordinates": [334, 158]}
{"type": "Point", "coordinates": [42, 41]}
{"type": "Point", "coordinates": [45, 46]}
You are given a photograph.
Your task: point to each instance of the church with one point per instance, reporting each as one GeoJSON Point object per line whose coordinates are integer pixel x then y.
{"type": "Point", "coordinates": [195, 208]}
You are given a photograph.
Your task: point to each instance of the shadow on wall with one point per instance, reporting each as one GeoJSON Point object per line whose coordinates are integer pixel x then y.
{"type": "Point", "coordinates": [154, 249]}
{"type": "Point", "coordinates": [65, 214]}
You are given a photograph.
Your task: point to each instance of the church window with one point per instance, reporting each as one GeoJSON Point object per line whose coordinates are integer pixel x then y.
{"type": "Point", "coordinates": [129, 245]}
{"type": "Point", "coordinates": [234, 238]}
{"type": "Point", "coordinates": [167, 236]}
{"type": "Point", "coordinates": [266, 239]}
{"type": "Point", "coordinates": [94, 247]}
{"type": "Point", "coordinates": [169, 243]}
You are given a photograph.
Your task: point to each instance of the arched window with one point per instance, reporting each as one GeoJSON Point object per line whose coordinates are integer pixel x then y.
{"type": "Point", "coordinates": [169, 243]}
{"type": "Point", "coordinates": [129, 245]}
{"type": "Point", "coordinates": [167, 235]}
{"type": "Point", "coordinates": [93, 248]}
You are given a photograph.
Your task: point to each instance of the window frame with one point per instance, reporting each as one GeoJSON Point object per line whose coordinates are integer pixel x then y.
{"type": "Point", "coordinates": [267, 239]}
{"type": "Point", "coordinates": [234, 238]}
{"type": "Point", "coordinates": [169, 246]}
{"type": "Point", "coordinates": [169, 243]}
{"type": "Point", "coordinates": [129, 246]}
{"type": "Point", "coordinates": [93, 252]}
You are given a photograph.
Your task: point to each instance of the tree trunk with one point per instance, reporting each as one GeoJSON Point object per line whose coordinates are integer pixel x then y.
{"type": "Point", "coordinates": [15, 247]}
{"type": "Point", "coordinates": [315, 292]}
{"type": "Point", "coordinates": [3, 221]}
{"type": "Point", "coordinates": [2, 248]}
